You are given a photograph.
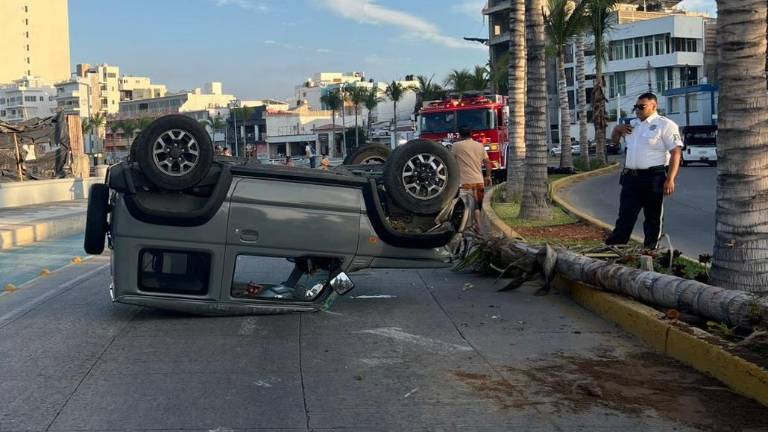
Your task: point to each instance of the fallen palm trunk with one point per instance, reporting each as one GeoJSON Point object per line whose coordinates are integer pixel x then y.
{"type": "Point", "coordinates": [727, 306]}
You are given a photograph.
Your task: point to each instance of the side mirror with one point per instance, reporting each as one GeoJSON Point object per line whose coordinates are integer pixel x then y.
{"type": "Point", "coordinates": [342, 284]}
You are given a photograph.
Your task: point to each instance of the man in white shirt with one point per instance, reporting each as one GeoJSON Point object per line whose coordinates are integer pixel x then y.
{"type": "Point", "coordinates": [309, 153]}
{"type": "Point", "coordinates": [654, 149]}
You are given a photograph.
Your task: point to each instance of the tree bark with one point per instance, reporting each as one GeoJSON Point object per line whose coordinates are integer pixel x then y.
{"type": "Point", "coordinates": [599, 116]}
{"type": "Point", "coordinates": [566, 156]}
{"type": "Point", "coordinates": [740, 259]}
{"type": "Point", "coordinates": [727, 306]}
{"type": "Point", "coordinates": [581, 99]}
{"type": "Point", "coordinates": [517, 58]}
{"type": "Point", "coordinates": [534, 204]}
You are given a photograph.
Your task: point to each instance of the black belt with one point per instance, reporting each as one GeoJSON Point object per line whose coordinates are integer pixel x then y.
{"type": "Point", "coordinates": [650, 170]}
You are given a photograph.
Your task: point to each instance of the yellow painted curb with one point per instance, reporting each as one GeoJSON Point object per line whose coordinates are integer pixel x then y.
{"type": "Point", "coordinates": [740, 375]}
{"type": "Point", "coordinates": [559, 184]}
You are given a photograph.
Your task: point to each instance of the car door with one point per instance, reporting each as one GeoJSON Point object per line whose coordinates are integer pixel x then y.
{"type": "Point", "coordinates": [283, 219]}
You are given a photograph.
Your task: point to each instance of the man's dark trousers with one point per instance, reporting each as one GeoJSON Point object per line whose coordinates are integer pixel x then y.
{"type": "Point", "coordinates": [640, 189]}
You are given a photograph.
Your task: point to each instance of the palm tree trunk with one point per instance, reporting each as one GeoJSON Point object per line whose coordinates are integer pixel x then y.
{"type": "Point", "coordinates": [517, 58]}
{"type": "Point", "coordinates": [566, 157]}
{"type": "Point", "coordinates": [333, 134]}
{"type": "Point", "coordinates": [357, 135]}
{"type": "Point", "coordinates": [741, 228]}
{"type": "Point", "coordinates": [726, 306]}
{"type": "Point", "coordinates": [581, 99]}
{"type": "Point", "coordinates": [599, 117]}
{"type": "Point", "coordinates": [393, 137]}
{"type": "Point", "coordinates": [534, 204]}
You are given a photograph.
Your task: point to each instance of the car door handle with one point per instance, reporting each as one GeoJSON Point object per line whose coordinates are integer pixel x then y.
{"type": "Point", "coordinates": [248, 236]}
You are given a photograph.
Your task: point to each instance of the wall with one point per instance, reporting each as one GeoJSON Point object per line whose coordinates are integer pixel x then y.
{"type": "Point", "coordinates": [43, 191]}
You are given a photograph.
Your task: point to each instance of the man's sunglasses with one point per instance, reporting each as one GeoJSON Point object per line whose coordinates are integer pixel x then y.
{"type": "Point", "coordinates": [640, 106]}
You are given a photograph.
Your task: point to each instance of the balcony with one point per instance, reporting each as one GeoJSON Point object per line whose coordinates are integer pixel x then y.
{"type": "Point", "coordinates": [502, 38]}
{"type": "Point", "coordinates": [496, 5]}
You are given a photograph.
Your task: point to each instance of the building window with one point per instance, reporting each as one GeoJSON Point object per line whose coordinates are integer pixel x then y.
{"type": "Point", "coordinates": [673, 104]}
{"type": "Point", "coordinates": [617, 83]}
{"type": "Point", "coordinates": [26, 8]}
{"type": "Point", "coordinates": [27, 47]}
{"type": "Point", "coordinates": [51, 98]}
{"type": "Point", "coordinates": [569, 77]}
{"type": "Point", "coordinates": [2, 113]}
{"type": "Point", "coordinates": [628, 50]}
{"type": "Point", "coordinates": [689, 76]}
{"type": "Point", "coordinates": [616, 50]}
{"type": "Point", "coordinates": [27, 34]}
{"type": "Point", "coordinates": [648, 45]}
{"type": "Point", "coordinates": [2, 101]}
{"type": "Point", "coordinates": [638, 42]}
{"type": "Point", "coordinates": [26, 21]}
{"type": "Point", "coordinates": [569, 53]}
{"type": "Point", "coordinates": [693, 102]}
{"type": "Point", "coordinates": [28, 61]}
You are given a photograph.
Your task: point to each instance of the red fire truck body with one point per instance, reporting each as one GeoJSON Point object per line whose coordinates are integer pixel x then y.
{"type": "Point", "coordinates": [487, 116]}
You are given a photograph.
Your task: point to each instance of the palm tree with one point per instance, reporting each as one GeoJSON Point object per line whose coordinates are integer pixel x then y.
{"type": "Point", "coordinates": [127, 126]}
{"type": "Point", "coordinates": [599, 23]}
{"type": "Point", "coordinates": [459, 80]}
{"type": "Point", "coordinates": [357, 96]}
{"type": "Point", "coordinates": [95, 124]}
{"type": "Point", "coordinates": [372, 100]}
{"type": "Point", "coordinates": [427, 90]}
{"type": "Point", "coordinates": [480, 79]}
{"type": "Point", "coordinates": [499, 74]}
{"type": "Point", "coordinates": [331, 100]}
{"type": "Point", "coordinates": [516, 58]}
{"type": "Point", "coordinates": [215, 124]}
{"type": "Point", "coordinates": [563, 21]}
{"type": "Point", "coordinates": [534, 204]}
{"type": "Point", "coordinates": [395, 91]}
{"type": "Point", "coordinates": [740, 258]}
{"type": "Point", "coordinates": [581, 99]}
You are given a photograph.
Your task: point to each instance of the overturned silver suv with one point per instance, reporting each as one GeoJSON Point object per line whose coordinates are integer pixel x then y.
{"type": "Point", "coordinates": [195, 234]}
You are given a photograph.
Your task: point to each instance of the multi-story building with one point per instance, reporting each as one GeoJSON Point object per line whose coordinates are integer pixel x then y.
{"type": "Point", "coordinates": [246, 130]}
{"type": "Point", "coordinates": [211, 102]}
{"type": "Point", "coordinates": [135, 87]}
{"type": "Point", "coordinates": [74, 97]}
{"type": "Point", "coordinates": [35, 35]}
{"type": "Point", "coordinates": [651, 47]}
{"type": "Point", "coordinates": [289, 131]}
{"type": "Point", "coordinates": [27, 98]}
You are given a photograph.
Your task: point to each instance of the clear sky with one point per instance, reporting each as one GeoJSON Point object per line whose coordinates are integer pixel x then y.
{"type": "Point", "coordinates": [262, 48]}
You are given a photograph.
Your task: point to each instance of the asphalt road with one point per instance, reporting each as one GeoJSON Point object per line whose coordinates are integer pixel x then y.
{"type": "Point", "coordinates": [428, 350]}
{"type": "Point", "coordinates": [689, 214]}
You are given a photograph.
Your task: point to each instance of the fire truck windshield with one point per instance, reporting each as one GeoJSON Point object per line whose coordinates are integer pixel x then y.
{"type": "Point", "coordinates": [450, 121]}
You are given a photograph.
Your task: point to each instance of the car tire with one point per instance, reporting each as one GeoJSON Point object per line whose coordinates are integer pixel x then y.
{"type": "Point", "coordinates": [368, 154]}
{"type": "Point", "coordinates": [175, 152]}
{"type": "Point", "coordinates": [684, 163]}
{"type": "Point", "coordinates": [96, 219]}
{"type": "Point", "coordinates": [421, 176]}
{"type": "Point", "coordinates": [134, 146]}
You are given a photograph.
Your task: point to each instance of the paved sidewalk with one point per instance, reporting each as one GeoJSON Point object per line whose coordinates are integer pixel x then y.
{"type": "Point", "coordinates": [21, 226]}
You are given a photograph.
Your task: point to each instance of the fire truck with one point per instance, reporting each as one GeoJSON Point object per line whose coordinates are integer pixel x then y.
{"type": "Point", "coordinates": [486, 115]}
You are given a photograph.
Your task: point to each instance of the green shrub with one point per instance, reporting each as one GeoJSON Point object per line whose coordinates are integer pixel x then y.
{"type": "Point", "coordinates": [580, 164]}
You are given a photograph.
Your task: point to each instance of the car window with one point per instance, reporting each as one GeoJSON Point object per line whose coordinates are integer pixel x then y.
{"type": "Point", "coordinates": [269, 278]}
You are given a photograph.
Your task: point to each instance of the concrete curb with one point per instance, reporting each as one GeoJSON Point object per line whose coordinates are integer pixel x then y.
{"type": "Point", "coordinates": [492, 220]}
{"type": "Point", "coordinates": [677, 340]}
{"type": "Point", "coordinates": [15, 235]}
{"type": "Point", "coordinates": [559, 184]}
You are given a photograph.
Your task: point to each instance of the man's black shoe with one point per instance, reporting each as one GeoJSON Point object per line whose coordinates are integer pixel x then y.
{"type": "Point", "coordinates": [612, 241]}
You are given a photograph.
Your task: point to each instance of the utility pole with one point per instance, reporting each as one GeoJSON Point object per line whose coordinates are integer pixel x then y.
{"type": "Point", "coordinates": [685, 95]}
{"type": "Point", "coordinates": [648, 69]}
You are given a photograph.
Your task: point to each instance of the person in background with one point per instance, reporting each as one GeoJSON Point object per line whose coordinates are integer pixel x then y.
{"type": "Point", "coordinates": [325, 163]}
{"type": "Point", "coordinates": [288, 161]}
{"type": "Point", "coordinates": [227, 151]}
{"type": "Point", "coordinates": [309, 153]}
{"type": "Point", "coordinates": [471, 156]}
{"type": "Point", "coordinates": [654, 148]}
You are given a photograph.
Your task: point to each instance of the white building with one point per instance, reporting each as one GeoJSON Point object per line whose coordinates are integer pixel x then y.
{"type": "Point", "coordinates": [27, 98]}
{"type": "Point", "coordinates": [73, 96]}
{"type": "Point", "coordinates": [652, 55]}
{"type": "Point", "coordinates": [213, 102]}
{"type": "Point", "coordinates": [136, 87]}
{"type": "Point", "coordinates": [311, 92]}
{"type": "Point", "coordinates": [289, 131]}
